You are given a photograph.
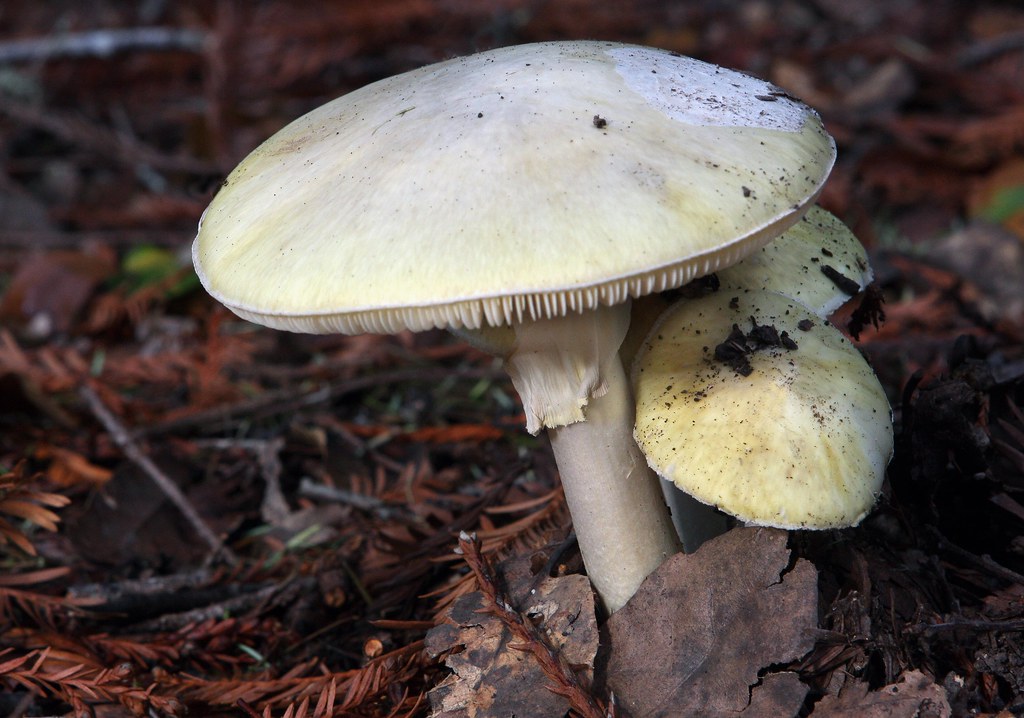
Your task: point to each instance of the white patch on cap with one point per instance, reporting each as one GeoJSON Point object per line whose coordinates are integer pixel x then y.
{"type": "Point", "coordinates": [700, 93]}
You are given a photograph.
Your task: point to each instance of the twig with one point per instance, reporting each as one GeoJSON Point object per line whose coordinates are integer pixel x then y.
{"type": "Point", "coordinates": [109, 592]}
{"type": "Point", "coordinates": [567, 683]}
{"type": "Point", "coordinates": [986, 562]}
{"type": "Point", "coordinates": [360, 447]}
{"type": "Point", "coordinates": [131, 450]}
{"type": "Point", "coordinates": [101, 140]}
{"type": "Point", "coordinates": [967, 623]}
{"type": "Point", "coordinates": [101, 43]}
{"type": "Point", "coordinates": [255, 601]}
{"type": "Point", "coordinates": [984, 51]}
{"type": "Point", "coordinates": [34, 240]}
{"type": "Point", "coordinates": [286, 401]}
{"type": "Point", "coordinates": [312, 490]}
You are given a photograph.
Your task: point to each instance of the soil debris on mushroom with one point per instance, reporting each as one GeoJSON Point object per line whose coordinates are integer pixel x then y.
{"type": "Point", "coordinates": [735, 351]}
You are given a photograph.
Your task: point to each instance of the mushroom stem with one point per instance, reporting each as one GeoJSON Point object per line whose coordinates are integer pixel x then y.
{"type": "Point", "coordinates": [568, 373]}
{"type": "Point", "coordinates": [620, 517]}
{"type": "Point", "coordinates": [695, 522]}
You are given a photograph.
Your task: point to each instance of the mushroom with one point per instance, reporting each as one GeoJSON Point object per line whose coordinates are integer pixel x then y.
{"type": "Point", "coordinates": [759, 407]}
{"type": "Point", "coordinates": [523, 196]}
{"type": "Point", "coordinates": [817, 262]}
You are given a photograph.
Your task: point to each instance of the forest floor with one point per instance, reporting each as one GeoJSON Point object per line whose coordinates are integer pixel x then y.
{"type": "Point", "coordinates": [198, 515]}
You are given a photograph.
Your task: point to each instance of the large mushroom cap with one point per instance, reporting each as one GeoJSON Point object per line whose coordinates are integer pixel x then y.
{"type": "Point", "coordinates": [518, 183]}
{"type": "Point", "coordinates": [792, 433]}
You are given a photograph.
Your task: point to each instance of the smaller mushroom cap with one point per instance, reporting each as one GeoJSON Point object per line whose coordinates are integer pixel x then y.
{"type": "Point", "coordinates": [818, 262]}
{"type": "Point", "coordinates": [802, 441]}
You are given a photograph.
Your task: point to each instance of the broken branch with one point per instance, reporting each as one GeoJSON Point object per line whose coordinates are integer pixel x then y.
{"type": "Point", "coordinates": [170, 489]}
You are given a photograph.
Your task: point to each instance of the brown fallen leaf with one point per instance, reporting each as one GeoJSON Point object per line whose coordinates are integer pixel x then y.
{"type": "Point", "coordinates": [701, 636]}
{"type": "Point", "coordinates": [492, 674]}
{"type": "Point", "coordinates": [991, 258]}
{"type": "Point", "coordinates": [50, 289]}
{"type": "Point", "coordinates": [915, 695]}
{"type": "Point", "coordinates": [130, 518]}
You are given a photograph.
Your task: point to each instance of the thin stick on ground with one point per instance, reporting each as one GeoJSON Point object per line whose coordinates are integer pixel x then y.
{"type": "Point", "coordinates": [288, 401]}
{"type": "Point", "coordinates": [101, 43]}
{"type": "Point", "coordinates": [137, 456]}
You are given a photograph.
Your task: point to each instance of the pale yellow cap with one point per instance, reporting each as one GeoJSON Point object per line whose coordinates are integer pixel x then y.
{"type": "Point", "coordinates": [818, 262]}
{"type": "Point", "coordinates": [802, 442]}
{"type": "Point", "coordinates": [524, 182]}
